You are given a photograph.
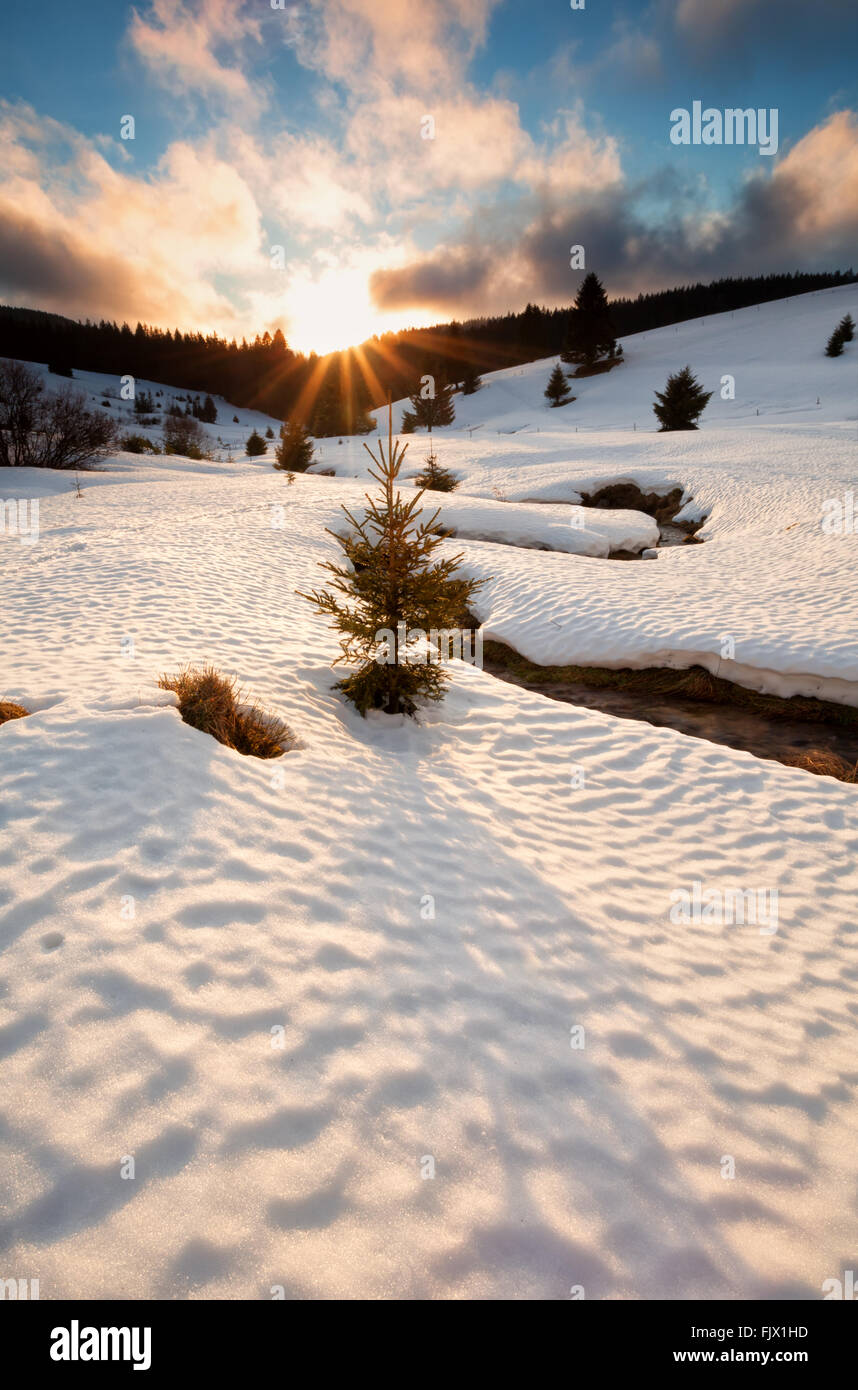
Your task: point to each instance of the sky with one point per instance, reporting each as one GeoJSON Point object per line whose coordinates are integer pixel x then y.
{"type": "Point", "coordinates": [345, 167]}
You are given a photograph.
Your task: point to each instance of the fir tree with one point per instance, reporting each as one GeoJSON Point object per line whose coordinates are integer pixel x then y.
{"type": "Point", "coordinates": [326, 419]}
{"type": "Point", "coordinates": [434, 477]}
{"type": "Point", "coordinates": [843, 333]}
{"type": "Point", "coordinates": [471, 382]}
{"type": "Point", "coordinates": [432, 410]}
{"type": "Point", "coordinates": [391, 592]}
{"type": "Point", "coordinates": [590, 337]}
{"type": "Point", "coordinates": [557, 390]}
{"type": "Point", "coordinates": [294, 453]}
{"type": "Point", "coordinates": [255, 446]}
{"type": "Point", "coordinates": [834, 346]}
{"type": "Point", "coordinates": [208, 411]}
{"type": "Point", "coordinates": [682, 402]}
{"type": "Point", "coordinates": [269, 433]}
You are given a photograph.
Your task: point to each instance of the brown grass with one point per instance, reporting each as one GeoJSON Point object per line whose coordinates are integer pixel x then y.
{"type": "Point", "coordinates": [10, 711]}
{"type": "Point", "coordinates": [825, 763]}
{"type": "Point", "coordinates": [215, 704]}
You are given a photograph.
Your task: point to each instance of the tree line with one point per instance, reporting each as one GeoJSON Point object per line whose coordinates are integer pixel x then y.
{"type": "Point", "coordinates": [331, 395]}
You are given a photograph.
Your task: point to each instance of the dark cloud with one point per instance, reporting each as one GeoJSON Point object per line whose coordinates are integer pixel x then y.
{"type": "Point", "coordinates": [625, 243]}
{"type": "Point", "coordinates": [43, 265]}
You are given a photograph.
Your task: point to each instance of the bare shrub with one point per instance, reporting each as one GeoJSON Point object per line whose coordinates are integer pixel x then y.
{"type": "Point", "coordinates": [43, 429]}
{"type": "Point", "coordinates": [184, 435]}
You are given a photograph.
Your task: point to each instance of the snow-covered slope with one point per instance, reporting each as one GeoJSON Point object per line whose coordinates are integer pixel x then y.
{"type": "Point", "coordinates": [104, 392]}
{"type": "Point", "coordinates": [774, 352]}
{"type": "Point", "coordinates": [410, 1012]}
{"type": "Point", "coordinates": [769, 578]}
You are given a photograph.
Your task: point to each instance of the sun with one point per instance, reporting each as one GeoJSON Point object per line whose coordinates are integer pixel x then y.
{"type": "Point", "coordinates": [333, 310]}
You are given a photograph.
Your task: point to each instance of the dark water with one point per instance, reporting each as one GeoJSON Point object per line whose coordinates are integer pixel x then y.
{"type": "Point", "coordinates": [776, 739]}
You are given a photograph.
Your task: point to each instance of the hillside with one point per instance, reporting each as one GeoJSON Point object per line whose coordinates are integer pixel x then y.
{"type": "Point", "coordinates": [412, 1008]}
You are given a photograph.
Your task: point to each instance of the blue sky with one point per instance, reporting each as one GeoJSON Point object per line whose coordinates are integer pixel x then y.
{"type": "Point", "coordinates": [280, 173]}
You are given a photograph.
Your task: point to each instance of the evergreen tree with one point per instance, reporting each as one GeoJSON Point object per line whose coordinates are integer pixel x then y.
{"type": "Point", "coordinates": [843, 333]}
{"type": "Point", "coordinates": [471, 382]}
{"type": "Point", "coordinates": [434, 477]}
{"type": "Point", "coordinates": [294, 453]}
{"type": "Point", "coordinates": [682, 402]}
{"type": "Point", "coordinates": [590, 337]}
{"type": "Point", "coordinates": [327, 411]}
{"type": "Point", "coordinates": [269, 433]}
{"type": "Point", "coordinates": [834, 346]}
{"type": "Point", "coordinates": [391, 589]}
{"type": "Point", "coordinates": [433, 410]}
{"type": "Point", "coordinates": [208, 411]}
{"type": "Point", "coordinates": [557, 390]}
{"type": "Point", "coordinates": [255, 446]}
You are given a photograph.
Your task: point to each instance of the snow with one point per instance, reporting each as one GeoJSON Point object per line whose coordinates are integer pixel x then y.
{"type": "Point", "coordinates": [427, 909]}
{"type": "Point", "coordinates": [768, 575]}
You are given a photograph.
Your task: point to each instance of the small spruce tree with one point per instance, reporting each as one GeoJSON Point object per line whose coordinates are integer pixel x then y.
{"type": "Point", "coordinates": [435, 478]}
{"type": "Point", "coordinates": [471, 382]}
{"type": "Point", "coordinates": [390, 588]}
{"type": "Point", "coordinates": [843, 333]}
{"type": "Point", "coordinates": [294, 453]}
{"type": "Point", "coordinates": [269, 433]}
{"type": "Point", "coordinates": [681, 403]}
{"type": "Point", "coordinates": [834, 346]}
{"type": "Point", "coordinates": [557, 390]}
{"type": "Point", "coordinates": [256, 446]}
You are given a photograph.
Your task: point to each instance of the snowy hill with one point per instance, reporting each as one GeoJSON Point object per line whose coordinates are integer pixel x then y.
{"type": "Point", "coordinates": [103, 391]}
{"type": "Point", "coordinates": [411, 1008]}
{"type": "Point", "coordinates": [768, 575]}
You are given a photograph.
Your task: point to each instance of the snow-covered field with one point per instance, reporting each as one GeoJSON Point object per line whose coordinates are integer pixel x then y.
{"type": "Point", "coordinates": [413, 1012]}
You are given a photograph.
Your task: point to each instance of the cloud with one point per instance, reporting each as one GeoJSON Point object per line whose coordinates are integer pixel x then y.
{"type": "Point", "coordinates": [422, 45]}
{"type": "Point", "coordinates": [308, 185]}
{"type": "Point", "coordinates": [89, 239]}
{"type": "Point", "coordinates": [804, 214]}
{"type": "Point", "coordinates": [729, 29]}
{"type": "Point", "coordinates": [51, 264]}
{"type": "Point", "coordinates": [177, 42]}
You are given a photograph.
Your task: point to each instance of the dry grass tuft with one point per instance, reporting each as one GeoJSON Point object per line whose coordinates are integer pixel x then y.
{"type": "Point", "coordinates": [825, 764]}
{"type": "Point", "coordinates": [10, 711]}
{"type": "Point", "coordinates": [215, 704]}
